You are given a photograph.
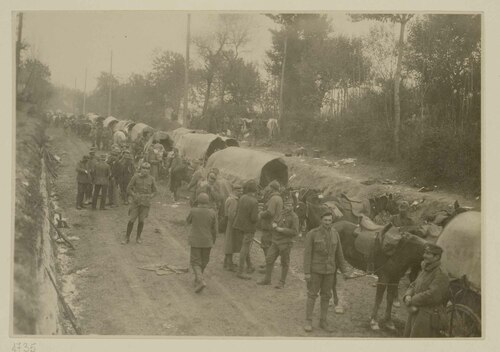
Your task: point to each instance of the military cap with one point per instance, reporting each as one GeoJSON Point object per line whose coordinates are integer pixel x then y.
{"type": "Point", "coordinates": [250, 186]}
{"type": "Point", "coordinates": [327, 212]}
{"type": "Point", "coordinates": [275, 185]}
{"type": "Point", "coordinates": [145, 166]}
{"type": "Point", "coordinates": [202, 198]}
{"type": "Point", "coordinates": [237, 185]}
{"type": "Point", "coordinates": [433, 248]}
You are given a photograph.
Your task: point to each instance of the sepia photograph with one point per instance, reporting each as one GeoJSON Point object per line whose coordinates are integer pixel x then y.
{"type": "Point", "coordinates": [247, 174]}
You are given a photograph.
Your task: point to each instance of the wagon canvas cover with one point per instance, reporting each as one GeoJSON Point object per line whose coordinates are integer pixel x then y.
{"type": "Point", "coordinates": [109, 121]}
{"type": "Point", "coordinates": [196, 146]}
{"type": "Point", "coordinates": [139, 129]}
{"type": "Point", "coordinates": [245, 164]}
{"type": "Point", "coordinates": [123, 125]}
{"type": "Point", "coordinates": [461, 243]}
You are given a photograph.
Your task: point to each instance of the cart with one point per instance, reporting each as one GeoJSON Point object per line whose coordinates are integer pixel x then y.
{"type": "Point", "coordinates": [461, 242]}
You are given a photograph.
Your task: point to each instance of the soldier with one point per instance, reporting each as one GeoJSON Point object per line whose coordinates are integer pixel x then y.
{"type": "Point", "coordinates": [202, 237]}
{"type": "Point", "coordinates": [126, 170]}
{"type": "Point", "coordinates": [100, 176]}
{"type": "Point", "coordinates": [99, 135]}
{"type": "Point", "coordinates": [114, 167]}
{"type": "Point", "coordinates": [197, 177]}
{"type": "Point", "coordinates": [426, 297]}
{"type": "Point", "coordinates": [230, 246]}
{"type": "Point", "coordinates": [90, 186]}
{"type": "Point", "coordinates": [83, 179]}
{"type": "Point", "coordinates": [152, 159]}
{"type": "Point", "coordinates": [142, 188]}
{"type": "Point", "coordinates": [245, 224]}
{"type": "Point", "coordinates": [270, 215]}
{"type": "Point", "coordinates": [322, 254]}
{"type": "Point", "coordinates": [285, 228]}
{"type": "Point", "coordinates": [177, 168]}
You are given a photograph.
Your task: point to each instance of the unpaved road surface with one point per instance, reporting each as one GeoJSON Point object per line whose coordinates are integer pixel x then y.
{"type": "Point", "coordinates": [111, 295]}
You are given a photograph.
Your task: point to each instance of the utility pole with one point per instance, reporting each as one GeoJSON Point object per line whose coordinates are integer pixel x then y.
{"type": "Point", "coordinates": [184, 118]}
{"type": "Point", "coordinates": [74, 100]}
{"type": "Point", "coordinates": [110, 83]}
{"type": "Point", "coordinates": [18, 46]}
{"type": "Point", "coordinates": [84, 110]}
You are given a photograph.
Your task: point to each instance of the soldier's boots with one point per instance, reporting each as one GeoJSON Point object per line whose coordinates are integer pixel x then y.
{"type": "Point", "coordinates": [284, 273]}
{"type": "Point", "coordinates": [308, 326]}
{"type": "Point", "coordinates": [323, 323]}
{"type": "Point", "coordinates": [309, 312]}
{"type": "Point", "coordinates": [200, 283]}
{"type": "Point", "coordinates": [267, 278]}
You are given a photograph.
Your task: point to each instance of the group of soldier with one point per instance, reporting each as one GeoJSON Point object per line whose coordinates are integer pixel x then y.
{"type": "Point", "coordinates": [242, 216]}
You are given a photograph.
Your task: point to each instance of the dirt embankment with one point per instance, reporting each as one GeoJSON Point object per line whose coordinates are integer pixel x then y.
{"type": "Point", "coordinates": [323, 173]}
{"type": "Point", "coordinates": [36, 309]}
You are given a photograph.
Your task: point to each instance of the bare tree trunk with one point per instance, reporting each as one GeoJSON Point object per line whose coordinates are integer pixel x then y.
{"type": "Point", "coordinates": [207, 94]}
{"type": "Point", "coordinates": [184, 116]}
{"type": "Point", "coordinates": [397, 82]}
{"type": "Point", "coordinates": [280, 116]}
{"type": "Point", "coordinates": [110, 83]}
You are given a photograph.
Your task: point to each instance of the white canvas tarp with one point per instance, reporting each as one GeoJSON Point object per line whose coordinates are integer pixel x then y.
{"type": "Point", "coordinates": [240, 164]}
{"type": "Point", "coordinates": [123, 125]}
{"type": "Point", "coordinates": [140, 129]}
{"type": "Point", "coordinates": [178, 133]}
{"type": "Point", "coordinates": [196, 146]}
{"type": "Point", "coordinates": [109, 121]}
{"type": "Point", "coordinates": [461, 243]}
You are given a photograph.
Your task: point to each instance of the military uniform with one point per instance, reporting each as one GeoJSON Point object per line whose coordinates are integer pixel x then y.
{"type": "Point", "coordinates": [429, 294]}
{"type": "Point", "coordinates": [83, 180]}
{"type": "Point", "coordinates": [281, 245]}
{"type": "Point", "coordinates": [201, 238]}
{"type": "Point", "coordinates": [100, 176]}
{"type": "Point", "coordinates": [322, 253]}
{"type": "Point", "coordinates": [126, 171]}
{"type": "Point", "coordinates": [274, 207]}
{"type": "Point", "coordinates": [245, 225]}
{"type": "Point", "coordinates": [141, 188]}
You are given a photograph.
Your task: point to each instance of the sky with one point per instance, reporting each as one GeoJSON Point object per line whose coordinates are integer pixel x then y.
{"type": "Point", "coordinates": [71, 41]}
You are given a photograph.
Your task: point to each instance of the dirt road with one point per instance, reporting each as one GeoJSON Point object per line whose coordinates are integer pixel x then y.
{"type": "Point", "coordinates": [111, 295]}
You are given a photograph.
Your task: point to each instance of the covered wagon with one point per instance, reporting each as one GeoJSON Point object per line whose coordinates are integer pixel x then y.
{"type": "Point", "coordinates": [461, 259]}
{"type": "Point", "coordinates": [140, 129]}
{"type": "Point", "coordinates": [179, 132]}
{"type": "Point", "coordinates": [124, 126]}
{"type": "Point", "coordinates": [109, 122]}
{"type": "Point", "coordinates": [197, 146]}
{"type": "Point", "coordinates": [163, 138]}
{"type": "Point", "coordinates": [246, 164]}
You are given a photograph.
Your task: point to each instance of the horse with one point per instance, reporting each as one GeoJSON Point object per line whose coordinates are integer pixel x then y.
{"type": "Point", "coordinates": [390, 265]}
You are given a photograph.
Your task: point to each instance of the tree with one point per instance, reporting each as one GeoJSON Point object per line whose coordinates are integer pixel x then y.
{"type": "Point", "coordinates": [34, 80]}
{"type": "Point", "coordinates": [167, 79]}
{"type": "Point", "coordinates": [316, 61]}
{"type": "Point", "coordinates": [402, 19]}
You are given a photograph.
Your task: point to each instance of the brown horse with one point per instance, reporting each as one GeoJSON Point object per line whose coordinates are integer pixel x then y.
{"type": "Point", "coordinates": [407, 254]}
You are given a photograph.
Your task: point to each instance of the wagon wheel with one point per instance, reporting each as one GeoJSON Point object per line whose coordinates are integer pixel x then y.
{"type": "Point", "coordinates": [463, 322]}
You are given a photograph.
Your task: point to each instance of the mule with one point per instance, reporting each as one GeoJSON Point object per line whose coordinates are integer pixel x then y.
{"type": "Point", "coordinates": [389, 267]}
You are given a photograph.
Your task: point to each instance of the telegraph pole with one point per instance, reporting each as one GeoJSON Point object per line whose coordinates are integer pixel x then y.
{"type": "Point", "coordinates": [74, 100]}
{"type": "Point", "coordinates": [186, 74]}
{"type": "Point", "coordinates": [110, 84]}
{"type": "Point", "coordinates": [84, 93]}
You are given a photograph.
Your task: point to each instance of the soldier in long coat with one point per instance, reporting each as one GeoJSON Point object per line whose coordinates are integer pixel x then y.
{"type": "Point", "coordinates": [83, 180]}
{"type": "Point", "coordinates": [231, 246]}
{"type": "Point", "coordinates": [426, 296]}
{"type": "Point", "coordinates": [201, 238]}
